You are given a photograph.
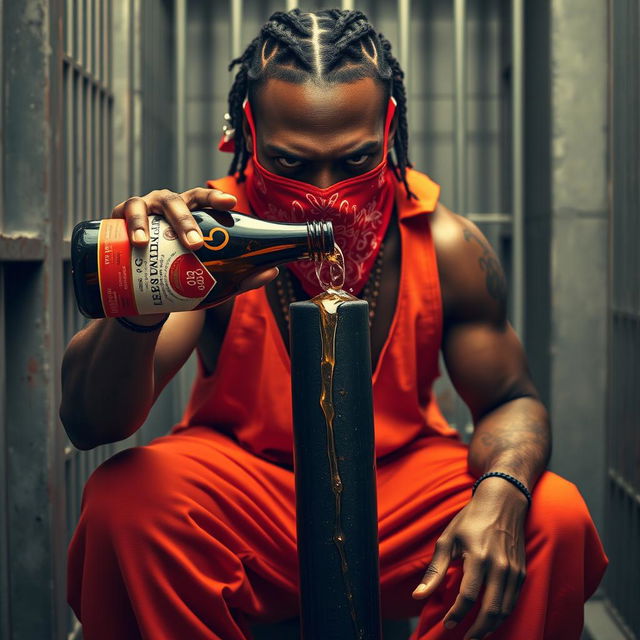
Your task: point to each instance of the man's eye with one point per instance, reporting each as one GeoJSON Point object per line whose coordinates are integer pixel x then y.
{"type": "Point", "coordinates": [358, 161]}
{"type": "Point", "coordinates": [288, 163]}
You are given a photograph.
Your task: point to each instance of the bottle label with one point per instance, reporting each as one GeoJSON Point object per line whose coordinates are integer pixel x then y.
{"type": "Point", "coordinates": [161, 277]}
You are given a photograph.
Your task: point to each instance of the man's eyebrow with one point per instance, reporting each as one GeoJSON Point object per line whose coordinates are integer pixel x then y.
{"type": "Point", "coordinates": [367, 147]}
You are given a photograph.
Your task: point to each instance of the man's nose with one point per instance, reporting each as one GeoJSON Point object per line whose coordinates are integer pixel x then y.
{"type": "Point", "coordinates": [325, 176]}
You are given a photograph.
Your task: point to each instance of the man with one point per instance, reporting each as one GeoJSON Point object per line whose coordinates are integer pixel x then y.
{"type": "Point", "coordinates": [193, 536]}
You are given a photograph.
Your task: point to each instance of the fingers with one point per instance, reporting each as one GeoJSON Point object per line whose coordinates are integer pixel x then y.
{"type": "Point", "coordinates": [209, 198]}
{"type": "Point", "coordinates": [472, 579]}
{"type": "Point", "coordinates": [512, 591]}
{"type": "Point", "coordinates": [135, 213]}
{"type": "Point", "coordinates": [491, 612]}
{"type": "Point", "coordinates": [436, 570]}
{"type": "Point", "coordinates": [176, 208]}
{"type": "Point", "coordinates": [260, 279]}
{"type": "Point", "coordinates": [178, 215]}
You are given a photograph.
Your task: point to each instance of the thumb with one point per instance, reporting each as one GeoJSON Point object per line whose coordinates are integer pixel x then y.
{"type": "Point", "coordinates": [436, 570]}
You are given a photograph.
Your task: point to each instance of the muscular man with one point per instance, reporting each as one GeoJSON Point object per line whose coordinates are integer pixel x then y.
{"type": "Point", "coordinates": [193, 536]}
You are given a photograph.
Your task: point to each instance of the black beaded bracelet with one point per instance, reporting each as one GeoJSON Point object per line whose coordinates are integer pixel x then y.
{"type": "Point", "coordinates": [505, 476]}
{"type": "Point", "coordinates": [141, 328]}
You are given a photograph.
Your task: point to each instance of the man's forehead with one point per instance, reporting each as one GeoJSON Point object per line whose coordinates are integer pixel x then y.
{"type": "Point", "coordinates": [319, 108]}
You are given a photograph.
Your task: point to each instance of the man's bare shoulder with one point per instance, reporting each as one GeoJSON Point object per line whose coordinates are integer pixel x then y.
{"type": "Point", "coordinates": [472, 280]}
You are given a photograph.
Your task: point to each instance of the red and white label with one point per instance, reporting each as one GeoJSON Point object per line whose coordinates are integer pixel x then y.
{"type": "Point", "coordinates": [161, 277]}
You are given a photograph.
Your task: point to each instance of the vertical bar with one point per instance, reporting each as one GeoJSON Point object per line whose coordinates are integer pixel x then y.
{"type": "Point", "coordinates": [347, 5]}
{"type": "Point", "coordinates": [5, 583]}
{"type": "Point", "coordinates": [460, 105]}
{"type": "Point", "coordinates": [84, 53]}
{"type": "Point", "coordinates": [78, 154]}
{"type": "Point", "coordinates": [291, 4]}
{"type": "Point", "coordinates": [5, 624]}
{"type": "Point", "coordinates": [99, 209]}
{"type": "Point", "coordinates": [95, 142]}
{"type": "Point", "coordinates": [236, 28]}
{"type": "Point", "coordinates": [135, 142]}
{"type": "Point", "coordinates": [181, 70]}
{"type": "Point", "coordinates": [88, 150]}
{"type": "Point", "coordinates": [68, 29]}
{"type": "Point", "coordinates": [100, 40]}
{"type": "Point", "coordinates": [90, 36]}
{"type": "Point", "coordinates": [109, 44]}
{"type": "Point", "coordinates": [404, 29]}
{"type": "Point", "coordinates": [517, 163]}
{"type": "Point", "coordinates": [69, 205]}
{"type": "Point", "coordinates": [79, 15]}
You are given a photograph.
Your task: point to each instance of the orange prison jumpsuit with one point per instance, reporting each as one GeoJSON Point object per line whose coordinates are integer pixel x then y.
{"type": "Point", "coordinates": [193, 536]}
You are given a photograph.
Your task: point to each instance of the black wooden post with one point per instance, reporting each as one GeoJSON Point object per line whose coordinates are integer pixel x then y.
{"type": "Point", "coordinates": [326, 612]}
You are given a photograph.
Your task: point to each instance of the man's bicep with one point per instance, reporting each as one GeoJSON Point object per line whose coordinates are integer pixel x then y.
{"type": "Point", "coordinates": [487, 365]}
{"type": "Point", "coordinates": [484, 356]}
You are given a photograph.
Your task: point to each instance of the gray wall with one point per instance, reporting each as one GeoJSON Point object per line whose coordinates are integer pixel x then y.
{"type": "Point", "coordinates": [578, 243]}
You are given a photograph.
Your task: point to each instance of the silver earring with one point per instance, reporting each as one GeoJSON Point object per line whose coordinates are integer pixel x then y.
{"type": "Point", "coordinates": [227, 130]}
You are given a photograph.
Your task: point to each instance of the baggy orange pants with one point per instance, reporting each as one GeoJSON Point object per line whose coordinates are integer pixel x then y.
{"type": "Point", "coordinates": [192, 537]}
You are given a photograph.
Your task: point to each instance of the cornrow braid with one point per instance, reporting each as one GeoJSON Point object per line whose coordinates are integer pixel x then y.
{"type": "Point", "coordinates": [401, 143]}
{"type": "Point", "coordinates": [345, 48]}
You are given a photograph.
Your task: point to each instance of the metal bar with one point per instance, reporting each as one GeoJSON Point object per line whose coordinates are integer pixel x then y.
{"type": "Point", "coordinates": [88, 76]}
{"type": "Point", "coordinates": [460, 105]}
{"type": "Point", "coordinates": [76, 631]}
{"type": "Point", "coordinates": [17, 247]}
{"type": "Point", "coordinates": [491, 218]}
{"type": "Point", "coordinates": [78, 151]}
{"type": "Point", "coordinates": [5, 591]}
{"type": "Point", "coordinates": [404, 30]}
{"type": "Point", "coordinates": [624, 486]}
{"type": "Point", "coordinates": [109, 44]}
{"type": "Point", "coordinates": [98, 211]}
{"type": "Point", "coordinates": [52, 309]}
{"type": "Point", "coordinates": [236, 28]}
{"type": "Point", "coordinates": [181, 72]}
{"type": "Point", "coordinates": [69, 201]}
{"type": "Point", "coordinates": [100, 39]}
{"type": "Point", "coordinates": [68, 28]}
{"type": "Point", "coordinates": [89, 63]}
{"type": "Point", "coordinates": [79, 31]}
{"type": "Point", "coordinates": [88, 146]}
{"type": "Point", "coordinates": [517, 163]}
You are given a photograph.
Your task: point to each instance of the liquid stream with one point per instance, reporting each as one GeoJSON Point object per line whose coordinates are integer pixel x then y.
{"type": "Point", "coordinates": [328, 303]}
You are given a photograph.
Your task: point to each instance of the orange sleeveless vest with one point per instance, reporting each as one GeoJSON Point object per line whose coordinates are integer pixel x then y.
{"type": "Point", "coordinates": [248, 396]}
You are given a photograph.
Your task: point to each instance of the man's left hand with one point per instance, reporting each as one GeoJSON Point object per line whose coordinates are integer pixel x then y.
{"type": "Point", "coordinates": [488, 534]}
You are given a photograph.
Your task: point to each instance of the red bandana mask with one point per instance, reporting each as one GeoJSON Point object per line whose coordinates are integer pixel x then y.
{"type": "Point", "coordinates": [359, 208]}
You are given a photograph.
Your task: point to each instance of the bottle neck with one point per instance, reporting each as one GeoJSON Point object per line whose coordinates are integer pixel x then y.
{"type": "Point", "coordinates": [320, 239]}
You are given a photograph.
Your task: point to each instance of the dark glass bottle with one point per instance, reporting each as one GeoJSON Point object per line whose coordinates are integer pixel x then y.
{"type": "Point", "coordinates": [113, 278]}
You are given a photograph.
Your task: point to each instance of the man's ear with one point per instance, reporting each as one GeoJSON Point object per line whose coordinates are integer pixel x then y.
{"type": "Point", "coordinates": [246, 132]}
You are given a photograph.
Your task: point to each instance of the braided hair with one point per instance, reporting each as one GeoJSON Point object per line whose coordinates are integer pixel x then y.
{"type": "Point", "coordinates": [331, 45]}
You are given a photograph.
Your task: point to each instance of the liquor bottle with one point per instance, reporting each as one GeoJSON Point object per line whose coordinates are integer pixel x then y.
{"type": "Point", "coordinates": [113, 278]}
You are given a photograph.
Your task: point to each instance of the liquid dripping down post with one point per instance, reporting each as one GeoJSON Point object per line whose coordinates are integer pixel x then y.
{"type": "Point", "coordinates": [328, 303]}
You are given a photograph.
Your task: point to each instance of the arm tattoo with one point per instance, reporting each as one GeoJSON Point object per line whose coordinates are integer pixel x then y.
{"type": "Point", "coordinates": [496, 282]}
{"type": "Point", "coordinates": [517, 439]}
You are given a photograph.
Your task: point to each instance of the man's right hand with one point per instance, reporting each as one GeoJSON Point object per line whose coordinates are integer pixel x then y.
{"type": "Point", "coordinates": [177, 208]}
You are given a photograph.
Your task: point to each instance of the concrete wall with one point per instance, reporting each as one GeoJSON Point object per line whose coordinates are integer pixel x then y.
{"type": "Point", "coordinates": [567, 231]}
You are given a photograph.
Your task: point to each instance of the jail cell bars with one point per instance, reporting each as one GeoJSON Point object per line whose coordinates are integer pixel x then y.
{"type": "Point", "coordinates": [88, 142]}
{"type": "Point", "coordinates": [623, 429]}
